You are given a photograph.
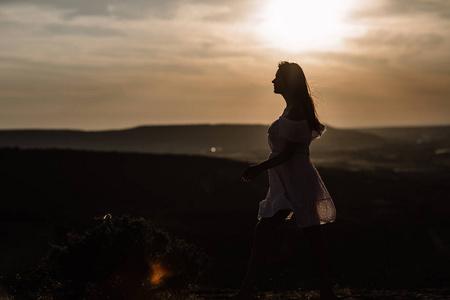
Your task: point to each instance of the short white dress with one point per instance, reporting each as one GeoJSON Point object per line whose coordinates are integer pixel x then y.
{"type": "Point", "coordinates": [296, 185]}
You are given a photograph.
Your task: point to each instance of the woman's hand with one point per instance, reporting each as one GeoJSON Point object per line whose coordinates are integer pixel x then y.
{"type": "Point", "coordinates": [251, 172]}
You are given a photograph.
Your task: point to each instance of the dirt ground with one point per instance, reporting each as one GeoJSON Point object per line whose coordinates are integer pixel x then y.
{"type": "Point", "coordinates": [342, 293]}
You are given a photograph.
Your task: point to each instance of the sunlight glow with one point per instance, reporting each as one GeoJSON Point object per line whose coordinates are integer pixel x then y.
{"type": "Point", "coordinates": [158, 273]}
{"type": "Point", "coordinates": [298, 25]}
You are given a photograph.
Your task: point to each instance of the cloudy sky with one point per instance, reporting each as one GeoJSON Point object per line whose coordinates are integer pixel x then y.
{"type": "Point", "coordinates": [100, 64]}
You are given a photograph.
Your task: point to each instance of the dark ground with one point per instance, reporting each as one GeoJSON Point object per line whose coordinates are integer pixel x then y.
{"type": "Point", "coordinates": [341, 293]}
{"type": "Point", "coordinates": [390, 241]}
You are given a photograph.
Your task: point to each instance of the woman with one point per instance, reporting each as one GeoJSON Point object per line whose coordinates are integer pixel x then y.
{"type": "Point", "coordinates": [295, 185]}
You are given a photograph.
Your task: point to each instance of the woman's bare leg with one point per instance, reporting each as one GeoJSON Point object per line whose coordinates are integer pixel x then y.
{"type": "Point", "coordinates": [316, 238]}
{"type": "Point", "coordinates": [264, 233]}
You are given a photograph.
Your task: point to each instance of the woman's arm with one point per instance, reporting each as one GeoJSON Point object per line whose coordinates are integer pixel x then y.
{"type": "Point", "coordinates": [278, 159]}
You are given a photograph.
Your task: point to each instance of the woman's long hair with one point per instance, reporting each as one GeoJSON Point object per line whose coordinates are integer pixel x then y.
{"type": "Point", "coordinates": [297, 85]}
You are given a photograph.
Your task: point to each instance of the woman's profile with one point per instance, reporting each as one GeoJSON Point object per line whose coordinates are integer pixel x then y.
{"type": "Point", "coordinates": [295, 186]}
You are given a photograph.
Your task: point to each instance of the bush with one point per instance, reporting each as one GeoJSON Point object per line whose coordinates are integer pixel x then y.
{"type": "Point", "coordinates": [119, 258]}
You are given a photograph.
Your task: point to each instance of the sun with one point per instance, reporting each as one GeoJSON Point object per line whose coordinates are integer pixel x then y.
{"type": "Point", "coordinates": [299, 25]}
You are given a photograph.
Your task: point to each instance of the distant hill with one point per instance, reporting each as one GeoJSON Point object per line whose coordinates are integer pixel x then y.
{"type": "Point", "coordinates": [242, 142]}
{"type": "Point", "coordinates": [418, 135]}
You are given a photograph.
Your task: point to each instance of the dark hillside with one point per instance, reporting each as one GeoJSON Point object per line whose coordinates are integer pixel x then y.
{"type": "Point", "coordinates": [416, 135]}
{"type": "Point", "coordinates": [392, 228]}
{"type": "Point", "coordinates": [242, 142]}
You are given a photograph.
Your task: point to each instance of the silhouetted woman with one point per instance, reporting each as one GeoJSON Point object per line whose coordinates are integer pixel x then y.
{"type": "Point", "coordinates": [295, 184]}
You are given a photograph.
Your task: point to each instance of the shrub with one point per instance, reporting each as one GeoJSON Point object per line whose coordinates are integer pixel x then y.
{"type": "Point", "coordinates": [119, 258]}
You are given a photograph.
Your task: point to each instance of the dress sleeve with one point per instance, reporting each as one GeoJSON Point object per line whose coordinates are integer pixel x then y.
{"type": "Point", "coordinates": [317, 134]}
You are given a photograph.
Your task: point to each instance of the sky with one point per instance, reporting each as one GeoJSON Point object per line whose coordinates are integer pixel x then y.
{"type": "Point", "coordinates": [98, 64]}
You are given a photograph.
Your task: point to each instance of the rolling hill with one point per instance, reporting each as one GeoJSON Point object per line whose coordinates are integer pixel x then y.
{"type": "Point", "coordinates": [242, 142]}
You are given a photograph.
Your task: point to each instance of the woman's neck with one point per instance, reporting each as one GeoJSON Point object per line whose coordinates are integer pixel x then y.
{"type": "Point", "coordinates": [294, 108]}
{"type": "Point", "coordinates": [289, 100]}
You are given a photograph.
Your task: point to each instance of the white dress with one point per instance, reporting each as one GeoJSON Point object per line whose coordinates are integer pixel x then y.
{"type": "Point", "coordinates": [296, 185]}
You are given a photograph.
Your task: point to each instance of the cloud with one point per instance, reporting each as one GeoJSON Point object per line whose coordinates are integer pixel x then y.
{"type": "Point", "coordinates": [386, 38]}
{"type": "Point", "coordinates": [170, 59]}
{"type": "Point", "coordinates": [388, 8]}
{"type": "Point", "coordinates": [230, 10]}
{"type": "Point", "coordinates": [350, 60]}
{"type": "Point", "coordinates": [412, 35]}
{"type": "Point", "coordinates": [120, 9]}
{"type": "Point", "coordinates": [96, 31]}
{"type": "Point", "coordinates": [427, 52]}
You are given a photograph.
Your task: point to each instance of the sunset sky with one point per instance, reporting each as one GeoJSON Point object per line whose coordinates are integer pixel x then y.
{"type": "Point", "coordinates": [98, 64]}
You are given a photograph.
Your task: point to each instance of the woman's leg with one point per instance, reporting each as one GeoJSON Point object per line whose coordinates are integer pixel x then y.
{"type": "Point", "coordinates": [316, 238]}
{"type": "Point", "coordinates": [264, 233]}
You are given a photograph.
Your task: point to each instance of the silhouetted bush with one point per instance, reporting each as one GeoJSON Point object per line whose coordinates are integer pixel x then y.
{"type": "Point", "coordinates": [119, 258]}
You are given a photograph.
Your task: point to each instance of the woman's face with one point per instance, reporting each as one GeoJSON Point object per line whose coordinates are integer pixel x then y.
{"type": "Point", "coordinates": [279, 84]}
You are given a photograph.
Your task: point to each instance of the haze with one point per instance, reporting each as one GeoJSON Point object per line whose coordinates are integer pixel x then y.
{"type": "Point", "coordinates": [116, 64]}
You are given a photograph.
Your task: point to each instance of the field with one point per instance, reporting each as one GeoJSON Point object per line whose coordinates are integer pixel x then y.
{"type": "Point", "coordinates": [391, 233]}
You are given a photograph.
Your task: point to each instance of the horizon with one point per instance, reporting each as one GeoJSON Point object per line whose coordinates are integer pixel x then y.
{"type": "Point", "coordinates": [406, 126]}
{"type": "Point", "coordinates": [74, 64]}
